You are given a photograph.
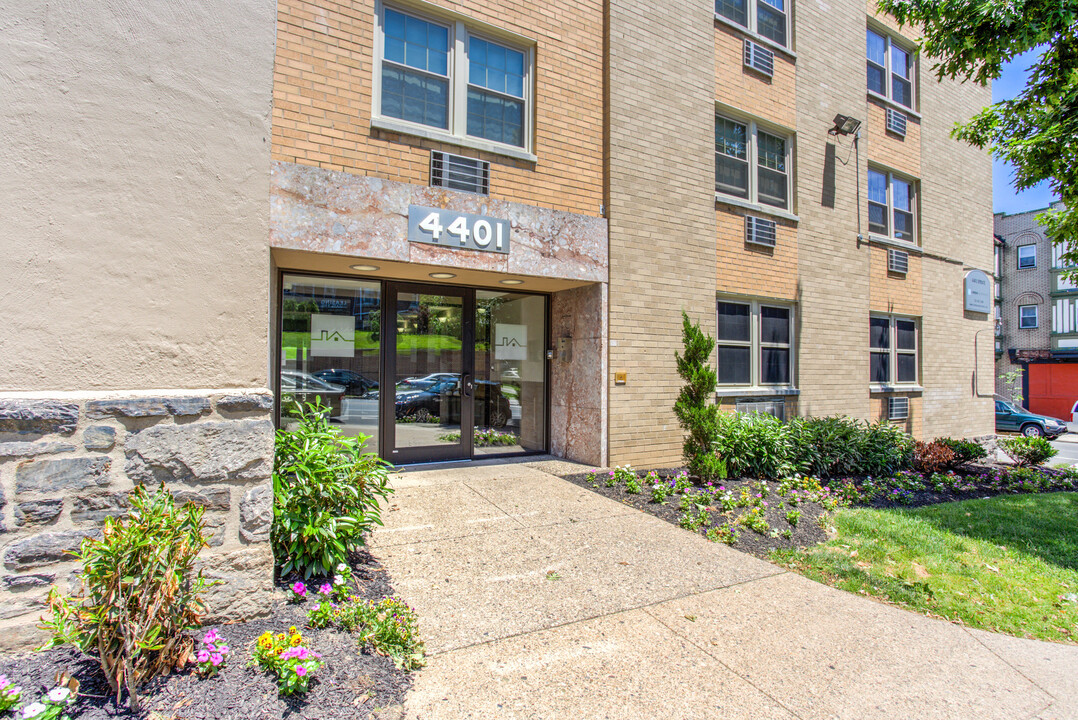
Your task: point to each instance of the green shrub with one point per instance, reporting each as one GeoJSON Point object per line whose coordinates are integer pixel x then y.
{"type": "Point", "coordinates": [754, 445]}
{"type": "Point", "coordinates": [696, 412]}
{"type": "Point", "coordinates": [140, 592]}
{"type": "Point", "coordinates": [327, 494]}
{"type": "Point", "coordinates": [841, 446]}
{"type": "Point", "coordinates": [391, 629]}
{"type": "Point", "coordinates": [1028, 451]}
{"type": "Point", "coordinates": [965, 451]}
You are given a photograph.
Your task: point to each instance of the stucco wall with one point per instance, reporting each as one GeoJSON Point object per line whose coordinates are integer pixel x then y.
{"type": "Point", "coordinates": [134, 167]}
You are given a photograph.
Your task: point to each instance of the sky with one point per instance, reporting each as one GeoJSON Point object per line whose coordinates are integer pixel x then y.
{"type": "Point", "coordinates": [1004, 197]}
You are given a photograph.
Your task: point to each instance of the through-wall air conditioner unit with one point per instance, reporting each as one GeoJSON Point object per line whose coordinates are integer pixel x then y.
{"type": "Point", "coordinates": [759, 58]}
{"type": "Point", "coordinates": [898, 408]}
{"type": "Point", "coordinates": [759, 231]}
{"type": "Point", "coordinates": [898, 261]}
{"type": "Point", "coordinates": [457, 172]}
{"type": "Point", "coordinates": [896, 122]}
{"type": "Point", "coordinates": [775, 408]}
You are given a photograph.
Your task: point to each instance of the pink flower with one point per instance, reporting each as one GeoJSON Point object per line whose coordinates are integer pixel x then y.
{"type": "Point", "coordinates": [202, 656]}
{"type": "Point", "coordinates": [216, 659]}
{"type": "Point", "coordinates": [211, 647]}
{"type": "Point", "coordinates": [301, 653]}
{"type": "Point", "coordinates": [300, 670]}
{"type": "Point", "coordinates": [223, 649]}
{"type": "Point", "coordinates": [326, 589]}
{"type": "Point", "coordinates": [210, 636]}
{"type": "Point", "coordinates": [300, 589]}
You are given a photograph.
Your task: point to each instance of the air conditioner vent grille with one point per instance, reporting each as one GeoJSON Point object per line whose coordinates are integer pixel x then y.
{"type": "Point", "coordinates": [759, 58]}
{"type": "Point", "coordinates": [457, 172]}
{"type": "Point", "coordinates": [896, 122]}
{"type": "Point", "coordinates": [898, 261]}
{"type": "Point", "coordinates": [774, 407]}
{"type": "Point", "coordinates": [759, 231]}
{"type": "Point", "coordinates": [898, 408]}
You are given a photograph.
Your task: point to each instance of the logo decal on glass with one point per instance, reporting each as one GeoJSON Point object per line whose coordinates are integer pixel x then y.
{"type": "Point", "coordinates": [333, 335]}
{"type": "Point", "coordinates": [510, 342]}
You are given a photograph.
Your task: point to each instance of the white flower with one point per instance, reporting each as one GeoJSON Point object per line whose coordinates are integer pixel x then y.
{"type": "Point", "coordinates": [59, 694]}
{"type": "Point", "coordinates": [341, 567]}
{"type": "Point", "coordinates": [338, 579]}
{"type": "Point", "coordinates": [33, 710]}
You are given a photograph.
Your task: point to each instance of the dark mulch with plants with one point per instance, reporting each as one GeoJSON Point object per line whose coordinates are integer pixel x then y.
{"type": "Point", "coordinates": [807, 531]}
{"type": "Point", "coordinates": [353, 683]}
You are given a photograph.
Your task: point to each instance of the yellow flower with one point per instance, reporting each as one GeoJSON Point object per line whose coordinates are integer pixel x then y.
{"type": "Point", "coordinates": [292, 630]}
{"type": "Point", "coordinates": [296, 639]}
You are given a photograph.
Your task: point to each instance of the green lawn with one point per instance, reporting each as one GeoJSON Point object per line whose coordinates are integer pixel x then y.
{"type": "Point", "coordinates": [1007, 564]}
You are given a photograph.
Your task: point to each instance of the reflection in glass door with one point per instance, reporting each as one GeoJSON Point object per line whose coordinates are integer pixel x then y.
{"type": "Point", "coordinates": [428, 369]}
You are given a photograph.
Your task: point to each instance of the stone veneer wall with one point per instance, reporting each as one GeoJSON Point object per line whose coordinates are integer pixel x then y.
{"type": "Point", "coordinates": [68, 461]}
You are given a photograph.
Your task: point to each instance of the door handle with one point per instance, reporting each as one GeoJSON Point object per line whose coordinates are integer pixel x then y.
{"type": "Point", "coordinates": [467, 385]}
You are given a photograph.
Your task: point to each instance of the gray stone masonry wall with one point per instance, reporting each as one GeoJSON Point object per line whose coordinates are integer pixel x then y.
{"type": "Point", "coordinates": [67, 463]}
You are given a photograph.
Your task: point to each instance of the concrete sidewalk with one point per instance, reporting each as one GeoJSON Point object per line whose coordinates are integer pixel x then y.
{"type": "Point", "coordinates": [540, 599]}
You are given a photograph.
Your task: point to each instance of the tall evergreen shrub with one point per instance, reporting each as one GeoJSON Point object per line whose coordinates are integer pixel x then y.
{"type": "Point", "coordinates": [696, 413]}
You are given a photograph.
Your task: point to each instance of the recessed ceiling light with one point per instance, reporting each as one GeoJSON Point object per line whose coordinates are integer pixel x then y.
{"type": "Point", "coordinates": [443, 276]}
{"type": "Point", "coordinates": [364, 268]}
{"type": "Point", "coordinates": [511, 281]}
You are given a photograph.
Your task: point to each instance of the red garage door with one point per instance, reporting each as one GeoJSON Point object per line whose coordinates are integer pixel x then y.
{"type": "Point", "coordinates": [1053, 389]}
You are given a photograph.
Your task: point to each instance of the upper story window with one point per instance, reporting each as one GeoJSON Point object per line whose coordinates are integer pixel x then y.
{"type": "Point", "coordinates": [1027, 257]}
{"type": "Point", "coordinates": [891, 203]}
{"type": "Point", "coordinates": [892, 350]}
{"type": "Point", "coordinates": [755, 343]}
{"type": "Point", "coordinates": [890, 69]}
{"type": "Point", "coordinates": [439, 74]}
{"type": "Point", "coordinates": [752, 163]}
{"type": "Point", "coordinates": [1027, 317]}
{"type": "Point", "coordinates": [767, 18]}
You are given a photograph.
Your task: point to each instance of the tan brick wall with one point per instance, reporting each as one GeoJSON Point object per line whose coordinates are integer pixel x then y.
{"type": "Point", "coordinates": [897, 153]}
{"type": "Point", "coordinates": [751, 269]}
{"type": "Point", "coordinates": [322, 99]}
{"type": "Point", "coordinates": [893, 293]}
{"type": "Point", "coordinates": [661, 211]}
{"type": "Point", "coordinates": [739, 87]}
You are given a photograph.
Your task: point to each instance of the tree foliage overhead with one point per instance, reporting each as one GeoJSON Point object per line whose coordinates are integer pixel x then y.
{"type": "Point", "coordinates": [1037, 132]}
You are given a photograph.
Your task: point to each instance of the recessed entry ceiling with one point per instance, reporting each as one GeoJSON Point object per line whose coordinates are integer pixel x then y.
{"type": "Point", "coordinates": [393, 270]}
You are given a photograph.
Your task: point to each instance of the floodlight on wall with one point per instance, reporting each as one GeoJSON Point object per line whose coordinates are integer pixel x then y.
{"type": "Point", "coordinates": [845, 125]}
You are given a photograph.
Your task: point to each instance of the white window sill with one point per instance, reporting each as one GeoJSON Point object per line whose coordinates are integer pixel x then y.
{"type": "Point", "coordinates": [756, 391]}
{"type": "Point", "coordinates": [897, 106]}
{"type": "Point", "coordinates": [428, 133]}
{"type": "Point", "coordinates": [888, 388]}
{"type": "Point", "coordinates": [756, 207]}
{"type": "Point", "coordinates": [891, 242]}
{"type": "Point", "coordinates": [756, 37]}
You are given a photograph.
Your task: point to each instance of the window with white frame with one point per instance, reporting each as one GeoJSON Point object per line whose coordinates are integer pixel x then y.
{"type": "Point", "coordinates": [752, 163]}
{"type": "Point", "coordinates": [892, 350]}
{"type": "Point", "coordinates": [439, 74]}
{"type": "Point", "coordinates": [1027, 317]}
{"type": "Point", "coordinates": [755, 343]}
{"type": "Point", "coordinates": [891, 203]}
{"type": "Point", "coordinates": [767, 18]}
{"type": "Point", "coordinates": [1027, 257]}
{"type": "Point", "coordinates": [890, 69]}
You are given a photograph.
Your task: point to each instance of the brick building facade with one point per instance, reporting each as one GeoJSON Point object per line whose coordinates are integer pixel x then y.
{"type": "Point", "coordinates": [484, 221]}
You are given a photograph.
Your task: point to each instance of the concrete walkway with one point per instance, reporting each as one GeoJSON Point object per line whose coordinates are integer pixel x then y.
{"type": "Point", "coordinates": [540, 599]}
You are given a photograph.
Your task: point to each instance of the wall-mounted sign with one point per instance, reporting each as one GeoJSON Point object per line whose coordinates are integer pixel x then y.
{"type": "Point", "coordinates": [978, 292]}
{"type": "Point", "coordinates": [435, 226]}
{"type": "Point", "coordinates": [333, 335]}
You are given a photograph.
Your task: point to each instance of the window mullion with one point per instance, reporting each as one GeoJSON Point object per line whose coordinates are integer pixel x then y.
{"type": "Point", "coordinates": [753, 158]}
{"type": "Point", "coordinates": [757, 352]}
{"type": "Point", "coordinates": [459, 80]}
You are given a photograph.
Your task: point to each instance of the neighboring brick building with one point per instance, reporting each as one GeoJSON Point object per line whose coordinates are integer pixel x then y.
{"type": "Point", "coordinates": [484, 221]}
{"type": "Point", "coordinates": [1038, 316]}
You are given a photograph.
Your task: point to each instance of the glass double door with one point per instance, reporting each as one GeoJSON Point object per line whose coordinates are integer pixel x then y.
{"type": "Point", "coordinates": [462, 378]}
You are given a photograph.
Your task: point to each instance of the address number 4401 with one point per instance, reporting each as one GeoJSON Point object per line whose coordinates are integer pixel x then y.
{"type": "Point", "coordinates": [481, 232]}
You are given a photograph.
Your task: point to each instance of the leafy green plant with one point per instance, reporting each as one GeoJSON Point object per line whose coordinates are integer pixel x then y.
{"type": "Point", "coordinates": [327, 494]}
{"type": "Point", "coordinates": [52, 705]}
{"type": "Point", "coordinates": [632, 485]}
{"type": "Point", "coordinates": [10, 693]}
{"type": "Point", "coordinates": [141, 592]}
{"type": "Point", "coordinates": [725, 533]}
{"type": "Point", "coordinates": [285, 656]}
{"type": "Point", "coordinates": [1028, 451]}
{"type": "Point", "coordinates": [965, 451]}
{"type": "Point", "coordinates": [391, 629]}
{"type": "Point", "coordinates": [841, 446]}
{"type": "Point", "coordinates": [696, 413]}
{"type": "Point", "coordinates": [793, 517]}
{"type": "Point", "coordinates": [754, 520]}
{"type": "Point", "coordinates": [694, 518]}
{"type": "Point", "coordinates": [754, 445]}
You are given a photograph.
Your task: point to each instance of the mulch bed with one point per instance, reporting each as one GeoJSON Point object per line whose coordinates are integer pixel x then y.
{"type": "Point", "coordinates": [807, 532]}
{"type": "Point", "coordinates": [980, 480]}
{"type": "Point", "coordinates": [352, 683]}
